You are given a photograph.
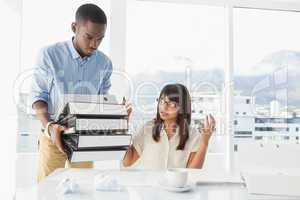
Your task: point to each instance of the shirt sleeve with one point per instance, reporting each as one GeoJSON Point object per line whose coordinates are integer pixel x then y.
{"type": "Point", "coordinates": [106, 83]}
{"type": "Point", "coordinates": [195, 141]}
{"type": "Point", "coordinates": [41, 79]}
{"type": "Point", "coordinates": [138, 141]}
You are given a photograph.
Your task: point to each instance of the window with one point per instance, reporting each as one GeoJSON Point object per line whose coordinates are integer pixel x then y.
{"type": "Point", "coordinates": [258, 138]}
{"type": "Point", "coordinates": [235, 148]}
{"type": "Point", "coordinates": [235, 122]}
{"type": "Point", "coordinates": [273, 129]}
{"type": "Point", "coordinates": [266, 66]}
{"type": "Point", "coordinates": [242, 135]}
{"type": "Point", "coordinates": [286, 137]}
{"type": "Point", "coordinates": [243, 132]}
{"type": "Point", "coordinates": [52, 28]}
{"type": "Point", "coordinates": [189, 51]}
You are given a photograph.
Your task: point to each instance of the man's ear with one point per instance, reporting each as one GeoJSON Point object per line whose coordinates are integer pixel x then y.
{"type": "Point", "coordinates": [74, 27]}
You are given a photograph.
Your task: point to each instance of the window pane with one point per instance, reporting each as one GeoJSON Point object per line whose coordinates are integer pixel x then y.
{"type": "Point", "coordinates": [267, 61]}
{"type": "Point", "coordinates": [42, 27]}
{"type": "Point", "coordinates": [182, 43]}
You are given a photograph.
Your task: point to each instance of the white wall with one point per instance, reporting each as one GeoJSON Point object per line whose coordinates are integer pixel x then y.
{"type": "Point", "coordinates": [9, 65]}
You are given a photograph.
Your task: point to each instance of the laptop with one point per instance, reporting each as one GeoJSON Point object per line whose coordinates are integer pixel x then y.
{"type": "Point", "coordinates": [273, 183]}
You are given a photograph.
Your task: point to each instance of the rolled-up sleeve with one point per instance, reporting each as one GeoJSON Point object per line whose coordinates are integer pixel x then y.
{"type": "Point", "coordinates": [138, 143]}
{"type": "Point", "coordinates": [41, 80]}
{"type": "Point", "coordinates": [194, 141]}
{"type": "Point", "coordinates": [106, 83]}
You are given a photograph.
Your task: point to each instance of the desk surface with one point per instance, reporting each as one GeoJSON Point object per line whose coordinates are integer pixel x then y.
{"type": "Point", "coordinates": [138, 184]}
{"type": "Point", "coordinates": [141, 185]}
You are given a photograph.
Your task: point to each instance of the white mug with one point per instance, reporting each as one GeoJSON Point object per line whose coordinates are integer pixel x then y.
{"type": "Point", "coordinates": [176, 177]}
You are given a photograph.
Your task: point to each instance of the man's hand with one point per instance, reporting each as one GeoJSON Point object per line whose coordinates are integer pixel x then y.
{"type": "Point", "coordinates": [56, 131]}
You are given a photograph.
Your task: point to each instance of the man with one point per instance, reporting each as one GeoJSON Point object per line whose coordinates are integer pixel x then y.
{"type": "Point", "coordinates": [71, 67]}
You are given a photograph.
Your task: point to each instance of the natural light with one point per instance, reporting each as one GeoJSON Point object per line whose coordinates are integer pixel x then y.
{"type": "Point", "coordinates": [240, 62]}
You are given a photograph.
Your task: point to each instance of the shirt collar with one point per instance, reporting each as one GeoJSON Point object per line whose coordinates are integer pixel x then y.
{"type": "Point", "coordinates": [164, 132]}
{"type": "Point", "coordinates": [74, 52]}
{"type": "Point", "coordinates": [72, 49]}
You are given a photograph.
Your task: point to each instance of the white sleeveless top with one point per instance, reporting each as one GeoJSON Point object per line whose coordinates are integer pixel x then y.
{"type": "Point", "coordinates": [162, 154]}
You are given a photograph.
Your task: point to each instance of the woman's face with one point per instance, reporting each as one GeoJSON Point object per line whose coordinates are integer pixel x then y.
{"type": "Point", "coordinates": [168, 110]}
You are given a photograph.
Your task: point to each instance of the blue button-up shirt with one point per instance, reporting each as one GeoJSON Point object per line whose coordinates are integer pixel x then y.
{"type": "Point", "coordinates": [61, 70]}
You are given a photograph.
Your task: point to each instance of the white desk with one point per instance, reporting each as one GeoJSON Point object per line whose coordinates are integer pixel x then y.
{"type": "Point", "coordinates": [140, 185]}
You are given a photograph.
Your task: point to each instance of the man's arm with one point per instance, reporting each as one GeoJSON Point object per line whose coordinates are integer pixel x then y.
{"type": "Point", "coordinates": [55, 130]}
{"type": "Point", "coordinates": [41, 110]}
{"type": "Point", "coordinates": [40, 89]}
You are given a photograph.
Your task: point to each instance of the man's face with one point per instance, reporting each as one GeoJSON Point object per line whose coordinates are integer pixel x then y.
{"type": "Point", "coordinates": [88, 36]}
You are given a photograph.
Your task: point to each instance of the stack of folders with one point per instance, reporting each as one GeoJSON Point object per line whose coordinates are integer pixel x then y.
{"type": "Point", "coordinates": [97, 128]}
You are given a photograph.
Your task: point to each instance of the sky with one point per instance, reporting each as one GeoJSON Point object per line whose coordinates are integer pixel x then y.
{"type": "Point", "coordinates": [177, 30]}
{"type": "Point", "coordinates": [41, 27]}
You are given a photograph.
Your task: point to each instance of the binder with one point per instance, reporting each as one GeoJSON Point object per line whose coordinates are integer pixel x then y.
{"type": "Point", "coordinates": [77, 141]}
{"type": "Point", "coordinates": [97, 127]}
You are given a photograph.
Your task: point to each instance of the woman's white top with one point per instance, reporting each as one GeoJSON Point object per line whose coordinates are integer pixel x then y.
{"type": "Point", "coordinates": [163, 154]}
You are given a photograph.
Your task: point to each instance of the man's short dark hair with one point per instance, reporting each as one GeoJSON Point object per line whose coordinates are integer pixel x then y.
{"type": "Point", "coordinates": [90, 12]}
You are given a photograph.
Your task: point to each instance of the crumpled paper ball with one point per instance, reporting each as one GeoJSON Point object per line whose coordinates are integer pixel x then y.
{"type": "Point", "coordinates": [67, 186]}
{"type": "Point", "coordinates": [107, 182]}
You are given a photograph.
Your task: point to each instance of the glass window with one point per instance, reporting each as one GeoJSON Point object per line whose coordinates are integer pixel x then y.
{"type": "Point", "coordinates": [42, 27]}
{"type": "Point", "coordinates": [182, 43]}
{"type": "Point", "coordinates": [267, 61]}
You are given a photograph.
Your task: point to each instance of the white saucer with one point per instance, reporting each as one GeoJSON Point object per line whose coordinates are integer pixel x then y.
{"type": "Point", "coordinates": [163, 184]}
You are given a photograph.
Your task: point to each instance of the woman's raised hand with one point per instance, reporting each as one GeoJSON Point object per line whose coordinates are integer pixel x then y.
{"type": "Point", "coordinates": [208, 128]}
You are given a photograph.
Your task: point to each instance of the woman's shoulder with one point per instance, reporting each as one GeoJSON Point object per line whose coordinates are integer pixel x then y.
{"type": "Point", "coordinates": [150, 123]}
{"type": "Point", "coordinates": [146, 128]}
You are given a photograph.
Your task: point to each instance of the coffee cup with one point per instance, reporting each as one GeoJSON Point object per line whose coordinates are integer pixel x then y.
{"type": "Point", "coordinates": [176, 177]}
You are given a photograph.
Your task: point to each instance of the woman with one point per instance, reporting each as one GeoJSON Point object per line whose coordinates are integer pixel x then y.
{"type": "Point", "coordinates": [168, 141]}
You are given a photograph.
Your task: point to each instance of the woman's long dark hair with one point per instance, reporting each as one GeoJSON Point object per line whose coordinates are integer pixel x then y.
{"type": "Point", "coordinates": [179, 94]}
